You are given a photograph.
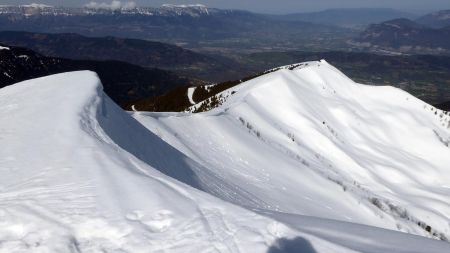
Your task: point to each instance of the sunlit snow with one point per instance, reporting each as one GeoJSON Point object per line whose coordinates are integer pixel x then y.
{"type": "Point", "coordinates": [294, 159]}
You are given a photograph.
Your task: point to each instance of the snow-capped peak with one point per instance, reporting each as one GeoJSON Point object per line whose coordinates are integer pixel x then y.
{"type": "Point", "coordinates": [184, 5]}
{"type": "Point", "coordinates": [187, 8]}
{"type": "Point", "coordinates": [37, 6]}
{"type": "Point", "coordinates": [114, 5]}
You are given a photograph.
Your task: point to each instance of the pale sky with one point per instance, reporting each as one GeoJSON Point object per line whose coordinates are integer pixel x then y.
{"type": "Point", "coordinates": [271, 6]}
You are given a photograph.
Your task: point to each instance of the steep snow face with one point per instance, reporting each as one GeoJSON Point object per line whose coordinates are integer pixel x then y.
{"type": "Point", "coordinates": [308, 140]}
{"type": "Point", "coordinates": [77, 174]}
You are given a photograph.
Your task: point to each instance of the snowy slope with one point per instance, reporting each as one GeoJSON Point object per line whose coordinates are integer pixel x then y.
{"type": "Point", "coordinates": [68, 186]}
{"type": "Point", "coordinates": [307, 140]}
{"type": "Point", "coordinates": [78, 174]}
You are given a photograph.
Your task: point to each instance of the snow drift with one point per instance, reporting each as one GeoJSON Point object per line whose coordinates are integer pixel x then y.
{"type": "Point", "coordinates": [78, 174]}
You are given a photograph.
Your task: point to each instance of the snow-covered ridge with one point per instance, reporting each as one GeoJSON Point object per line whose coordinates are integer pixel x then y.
{"type": "Point", "coordinates": [78, 174]}
{"type": "Point", "coordinates": [79, 178]}
{"type": "Point", "coordinates": [113, 8]}
{"type": "Point", "coordinates": [36, 5]}
{"type": "Point", "coordinates": [386, 150]}
{"type": "Point", "coordinates": [184, 5]}
{"type": "Point", "coordinates": [218, 99]}
{"type": "Point", "coordinates": [187, 8]}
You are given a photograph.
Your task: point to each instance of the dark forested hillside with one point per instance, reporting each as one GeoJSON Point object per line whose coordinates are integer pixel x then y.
{"type": "Point", "coordinates": [122, 81]}
{"type": "Point", "coordinates": [144, 53]}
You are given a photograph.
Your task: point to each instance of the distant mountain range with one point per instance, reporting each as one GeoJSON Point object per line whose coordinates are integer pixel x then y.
{"type": "Point", "coordinates": [122, 81]}
{"type": "Point", "coordinates": [165, 10]}
{"type": "Point", "coordinates": [209, 29]}
{"type": "Point", "coordinates": [359, 17]}
{"type": "Point", "coordinates": [350, 17]}
{"type": "Point", "coordinates": [437, 19]}
{"type": "Point", "coordinates": [194, 26]}
{"type": "Point", "coordinates": [404, 36]}
{"type": "Point", "coordinates": [144, 53]}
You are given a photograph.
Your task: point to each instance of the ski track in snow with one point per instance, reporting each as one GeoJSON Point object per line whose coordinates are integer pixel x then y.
{"type": "Point", "coordinates": [87, 177]}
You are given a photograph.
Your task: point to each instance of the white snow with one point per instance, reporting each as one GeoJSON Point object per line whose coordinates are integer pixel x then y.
{"type": "Point", "coordinates": [114, 5]}
{"type": "Point", "coordinates": [36, 5]}
{"type": "Point", "coordinates": [184, 5]}
{"type": "Point", "coordinates": [392, 25]}
{"type": "Point", "coordinates": [310, 141]}
{"type": "Point", "coordinates": [190, 92]}
{"type": "Point", "coordinates": [78, 174]}
{"type": "Point", "coordinates": [4, 48]}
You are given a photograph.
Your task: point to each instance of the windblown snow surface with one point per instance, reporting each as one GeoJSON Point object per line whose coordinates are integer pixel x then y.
{"type": "Point", "coordinates": [299, 160]}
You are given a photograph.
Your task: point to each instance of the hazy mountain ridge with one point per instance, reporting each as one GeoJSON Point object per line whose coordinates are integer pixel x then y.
{"type": "Point", "coordinates": [48, 10]}
{"type": "Point", "coordinates": [351, 17]}
{"type": "Point", "coordinates": [439, 19]}
{"type": "Point", "coordinates": [206, 28]}
{"type": "Point", "coordinates": [214, 28]}
{"type": "Point", "coordinates": [144, 53]}
{"type": "Point", "coordinates": [404, 36]}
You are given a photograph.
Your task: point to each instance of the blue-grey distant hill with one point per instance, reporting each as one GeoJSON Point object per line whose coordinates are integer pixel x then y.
{"type": "Point", "coordinates": [405, 36]}
{"type": "Point", "coordinates": [352, 17]}
{"type": "Point", "coordinates": [437, 19]}
{"type": "Point", "coordinates": [144, 53]}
